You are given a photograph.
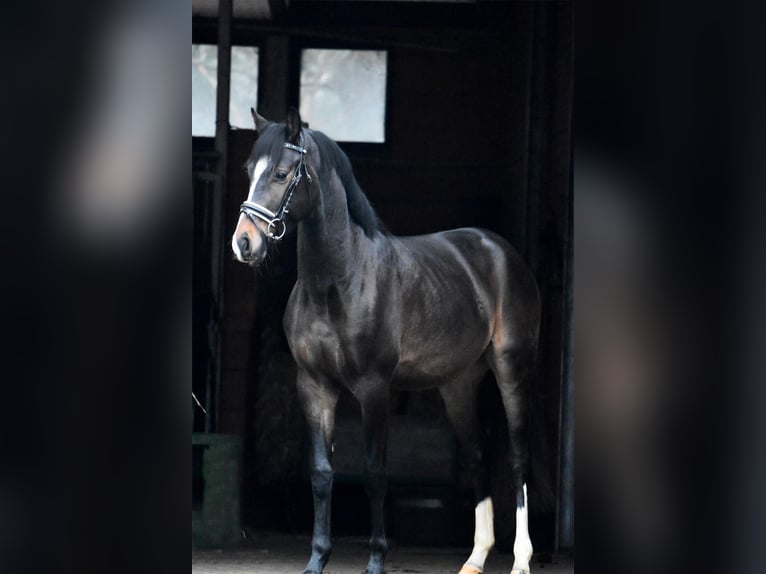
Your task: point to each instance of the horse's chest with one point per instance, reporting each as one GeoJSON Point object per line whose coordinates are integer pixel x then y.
{"type": "Point", "coordinates": [330, 349]}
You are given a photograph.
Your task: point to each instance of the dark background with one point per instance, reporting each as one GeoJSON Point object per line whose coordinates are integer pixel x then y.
{"type": "Point", "coordinates": [95, 459]}
{"type": "Point", "coordinates": [478, 133]}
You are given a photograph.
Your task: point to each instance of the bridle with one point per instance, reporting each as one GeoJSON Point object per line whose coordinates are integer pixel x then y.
{"type": "Point", "coordinates": [276, 227]}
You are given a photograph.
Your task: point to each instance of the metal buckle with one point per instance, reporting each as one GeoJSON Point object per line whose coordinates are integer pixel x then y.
{"type": "Point", "coordinates": [273, 225]}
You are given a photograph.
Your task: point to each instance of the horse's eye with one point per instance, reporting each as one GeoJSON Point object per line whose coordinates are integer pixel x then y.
{"type": "Point", "coordinates": [281, 176]}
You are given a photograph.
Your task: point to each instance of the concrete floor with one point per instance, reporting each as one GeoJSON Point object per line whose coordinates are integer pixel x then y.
{"type": "Point", "coordinates": [283, 554]}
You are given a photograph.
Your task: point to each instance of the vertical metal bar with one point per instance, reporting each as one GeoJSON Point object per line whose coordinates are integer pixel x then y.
{"type": "Point", "coordinates": [538, 119]}
{"type": "Point", "coordinates": [565, 510]}
{"type": "Point", "coordinates": [219, 200]}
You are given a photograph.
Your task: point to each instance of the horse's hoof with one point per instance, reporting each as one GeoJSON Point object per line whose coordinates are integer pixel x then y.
{"type": "Point", "coordinates": [518, 571]}
{"type": "Point", "coordinates": [468, 569]}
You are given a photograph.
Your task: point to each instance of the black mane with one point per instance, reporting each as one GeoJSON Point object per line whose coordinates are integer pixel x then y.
{"type": "Point", "coordinates": [271, 140]}
{"type": "Point", "coordinates": [359, 207]}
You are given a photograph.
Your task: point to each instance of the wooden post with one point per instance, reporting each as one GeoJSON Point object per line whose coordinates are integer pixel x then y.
{"type": "Point", "coordinates": [219, 199]}
{"type": "Point", "coordinates": [273, 96]}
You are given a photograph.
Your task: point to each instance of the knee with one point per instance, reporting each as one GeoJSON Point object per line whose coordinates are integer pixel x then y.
{"type": "Point", "coordinates": [321, 481]}
{"type": "Point", "coordinates": [376, 483]}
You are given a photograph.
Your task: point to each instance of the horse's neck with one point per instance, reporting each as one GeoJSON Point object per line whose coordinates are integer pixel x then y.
{"type": "Point", "coordinates": [329, 246]}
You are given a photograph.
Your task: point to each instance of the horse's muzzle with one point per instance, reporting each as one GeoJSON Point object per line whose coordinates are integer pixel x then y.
{"type": "Point", "coordinates": [249, 246]}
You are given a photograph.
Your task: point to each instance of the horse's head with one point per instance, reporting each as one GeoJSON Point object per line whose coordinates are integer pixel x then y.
{"type": "Point", "coordinates": [281, 186]}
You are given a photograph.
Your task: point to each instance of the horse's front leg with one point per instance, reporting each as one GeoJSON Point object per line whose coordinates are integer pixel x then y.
{"type": "Point", "coordinates": [318, 399]}
{"type": "Point", "coordinates": [375, 411]}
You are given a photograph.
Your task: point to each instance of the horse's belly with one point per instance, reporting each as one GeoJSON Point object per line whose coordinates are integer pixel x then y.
{"type": "Point", "coordinates": [435, 361]}
{"type": "Point", "coordinates": [411, 377]}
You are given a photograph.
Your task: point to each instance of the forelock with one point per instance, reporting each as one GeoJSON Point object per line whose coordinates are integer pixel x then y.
{"type": "Point", "coordinates": [270, 142]}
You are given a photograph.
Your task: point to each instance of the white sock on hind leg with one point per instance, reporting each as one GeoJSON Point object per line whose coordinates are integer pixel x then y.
{"type": "Point", "coordinates": [484, 535]}
{"type": "Point", "coordinates": [522, 545]}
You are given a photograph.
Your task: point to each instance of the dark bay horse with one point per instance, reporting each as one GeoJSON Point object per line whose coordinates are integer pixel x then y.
{"type": "Point", "coordinates": [371, 311]}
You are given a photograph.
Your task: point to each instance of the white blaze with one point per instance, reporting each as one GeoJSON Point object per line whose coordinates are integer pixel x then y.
{"type": "Point", "coordinates": [260, 167]}
{"type": "Point", "coordinates": [522, 545]}
{"type": "Point", "coordinates": [234, 246]}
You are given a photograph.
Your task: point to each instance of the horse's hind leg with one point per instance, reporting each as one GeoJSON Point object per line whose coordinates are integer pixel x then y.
{"type": "Point", "coordinates": [460, 402]}
{"type": "Point", "coordinates": [513, 369]}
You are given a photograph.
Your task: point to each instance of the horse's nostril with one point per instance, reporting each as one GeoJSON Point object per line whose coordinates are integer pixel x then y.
{"type": "Point", "coordinates": [244, 245]}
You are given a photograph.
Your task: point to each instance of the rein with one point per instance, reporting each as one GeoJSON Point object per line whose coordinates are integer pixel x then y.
{"type": "Point", "coordinates": [276, 221]}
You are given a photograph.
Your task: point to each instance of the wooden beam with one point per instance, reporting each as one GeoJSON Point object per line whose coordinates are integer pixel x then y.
{"type": "Point", "coordinates": [273, 96]}
{"type": "Point", "coordinates": [219, 199]}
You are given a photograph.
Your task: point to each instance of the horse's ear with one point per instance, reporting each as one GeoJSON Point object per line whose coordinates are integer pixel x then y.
{"type": "Point", "coordinates": [294, 125]}
{"type": "Point", "coordinates": [259, 121]}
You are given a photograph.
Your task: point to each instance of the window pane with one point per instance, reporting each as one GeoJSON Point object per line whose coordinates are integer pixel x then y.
{"type": "Point", "coordinates": [343, 93]}
{"type": "Point", "coordinates": [244, 86]}
{"type": "Point", "coordinates": [243, 89]}
{"type": "Point", "coordinates": [204, 80]}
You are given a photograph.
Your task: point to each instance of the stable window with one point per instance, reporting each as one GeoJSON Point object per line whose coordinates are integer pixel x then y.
{"type": "Point", "coordinates": [243, 89]}
{"type": "Point", "coordinates": [343, 93]}
{"type": "Point", "coordinates": [204, 81]}
{"type": "Point", "coordinates": [244, 86]}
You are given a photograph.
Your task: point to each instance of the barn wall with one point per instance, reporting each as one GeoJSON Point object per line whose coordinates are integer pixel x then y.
{"type": "Point", "coordinates": [478, 134]}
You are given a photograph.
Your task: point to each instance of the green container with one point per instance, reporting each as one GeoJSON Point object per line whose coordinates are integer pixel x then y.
{"type": "Point", "coordinates": [216, 487]}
